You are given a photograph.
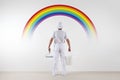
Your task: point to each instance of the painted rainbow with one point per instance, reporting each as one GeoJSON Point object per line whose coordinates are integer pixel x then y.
{"type": "Point", "coordinates": [60, 10]}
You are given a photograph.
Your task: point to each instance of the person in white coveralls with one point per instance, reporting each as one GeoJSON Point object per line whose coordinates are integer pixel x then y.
{"type": "Point", "coordinates": [59, 37]}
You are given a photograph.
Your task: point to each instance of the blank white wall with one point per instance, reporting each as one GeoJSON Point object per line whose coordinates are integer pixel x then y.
{"type": "Point", "coordinates": [17, 54]}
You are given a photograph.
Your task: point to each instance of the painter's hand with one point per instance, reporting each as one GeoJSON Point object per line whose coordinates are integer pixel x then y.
{"type": "Point", "coordinates": [49, 49]}
{"type": "Point", "coordinates": [69, 49]}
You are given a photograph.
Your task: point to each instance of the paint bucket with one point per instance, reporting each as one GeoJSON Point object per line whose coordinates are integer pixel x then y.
{"type": "Point", "coordinates": [68, 59]}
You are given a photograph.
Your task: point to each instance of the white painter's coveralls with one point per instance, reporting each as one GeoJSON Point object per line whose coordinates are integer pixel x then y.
{"type": "Point", "coordinates": [59, 50]}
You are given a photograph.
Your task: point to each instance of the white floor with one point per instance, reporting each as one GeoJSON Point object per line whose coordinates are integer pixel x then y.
{"type": "Point", "coordinates": [69, 76]}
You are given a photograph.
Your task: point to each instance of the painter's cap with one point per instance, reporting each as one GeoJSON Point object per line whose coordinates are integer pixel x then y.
{"type": "Point", "coordinates": [60, 25]}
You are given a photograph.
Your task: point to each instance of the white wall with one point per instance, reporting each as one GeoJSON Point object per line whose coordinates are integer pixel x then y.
{"type": "Point", "coordinates": [17, 54]}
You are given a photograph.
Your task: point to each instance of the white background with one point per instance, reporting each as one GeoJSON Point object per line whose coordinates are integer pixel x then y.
{"type": "Point", "coordinates": [18, 54]}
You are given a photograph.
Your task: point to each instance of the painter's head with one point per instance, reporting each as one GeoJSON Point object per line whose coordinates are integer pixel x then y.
{"type": "Point", "coordinates": [60, 26]}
